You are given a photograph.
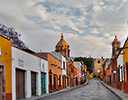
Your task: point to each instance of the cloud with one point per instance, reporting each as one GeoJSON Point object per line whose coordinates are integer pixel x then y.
{"type": "Point", "coordinates": [89, 45]}
{"type": "Point", "coordinates": [94, 31]}
{"type": "Point", "coordinates": [89, 26]}
{"type": "Point", "coordinates": [97, 8]}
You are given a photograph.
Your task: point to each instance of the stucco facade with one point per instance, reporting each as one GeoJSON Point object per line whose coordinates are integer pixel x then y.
{"type": "Point", "coordinates": [5, 69]}
{"type": "Point", "coordinates": [125, 64]}
{"type": "Point", "coordinates": [29, 65]}
{"type": "Point", "coordinates": [78, 66]}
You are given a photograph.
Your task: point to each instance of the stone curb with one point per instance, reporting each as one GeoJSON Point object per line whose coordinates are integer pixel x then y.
{"type": "Point", "coordinates": [117, 92]}
{"type": "Point", "coordinates": [57, 92]}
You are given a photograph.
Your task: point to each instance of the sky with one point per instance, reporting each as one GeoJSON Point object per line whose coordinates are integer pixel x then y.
{"type": "Point", "coordinates": [89, 26]}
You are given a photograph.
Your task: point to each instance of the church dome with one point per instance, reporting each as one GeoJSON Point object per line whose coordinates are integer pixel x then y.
{"type": "Point", "coordinates": [62, 42]}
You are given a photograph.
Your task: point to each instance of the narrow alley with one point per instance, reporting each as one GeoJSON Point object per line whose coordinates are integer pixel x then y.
{"type": "Point", "coordinates": [94, 90]}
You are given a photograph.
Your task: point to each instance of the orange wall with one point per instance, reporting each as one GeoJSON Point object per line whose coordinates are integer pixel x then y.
{"type": "Point", "coordinates": [55, 69]}
{"type": "Point", "coordinates": [68, 71]}
{"type": "Point", "coordinates": [6, 57]}
{"type": "Point", "coordinates": [71, 74]}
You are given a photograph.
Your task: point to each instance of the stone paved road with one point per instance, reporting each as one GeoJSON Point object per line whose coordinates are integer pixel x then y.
{"type": "Point", "coordinates": [94, 90]}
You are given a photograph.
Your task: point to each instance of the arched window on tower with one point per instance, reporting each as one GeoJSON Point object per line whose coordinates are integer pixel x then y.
{"type": "Point", "coordinates": [65, 52]}
{"type": "Point", "coordinates": [61, 50]}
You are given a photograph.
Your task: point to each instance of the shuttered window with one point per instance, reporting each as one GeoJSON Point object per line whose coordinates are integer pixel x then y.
{"type": "Point", "coordinates": [118, 73]}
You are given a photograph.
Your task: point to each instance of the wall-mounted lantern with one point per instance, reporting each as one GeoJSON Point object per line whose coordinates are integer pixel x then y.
{"type": "Point", "coordinates": [114, 71]}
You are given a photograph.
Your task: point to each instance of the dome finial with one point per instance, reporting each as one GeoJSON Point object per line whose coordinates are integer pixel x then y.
{"type": "Point", "coordinates": [62, 37]}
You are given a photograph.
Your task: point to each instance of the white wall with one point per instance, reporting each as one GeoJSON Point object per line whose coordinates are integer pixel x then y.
{"type": "Point", "coordinates": [30, 63]}
{"type": "Point", "coordinates": [120, 63]}
{"type": "Point", "coordinates": [63, 71]}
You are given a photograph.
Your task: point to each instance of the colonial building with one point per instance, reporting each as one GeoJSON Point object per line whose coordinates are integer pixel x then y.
{"type": "Point", "coordinates": [54, 69]}
{"type": "Point", "coordinates": [68, 71]}
{"type": "Point", "coordinates": [125, 63]}
{"type": "Point", "coordinates": [64, 79]}
{"type": "Point", "coordinates": [77, 64]}
{"type": "Point", "coordinates": [63, 47]}
{"type": "Point", "coordinates": [5, 69]}
{"type": "Point", "coordinates": [29, 76]}
{"type": "Point", "coordinates": [72, 73]}
{"type": "Point", "coordinates": [113, 65]}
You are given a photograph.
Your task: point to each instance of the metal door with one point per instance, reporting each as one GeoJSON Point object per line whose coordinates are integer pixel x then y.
{"type": "Point", "coordinates": [33, 83]}
{"type": "Point", "coordinates": [42, 83]}
{"type": "Point", "coordinates": [20, 90]}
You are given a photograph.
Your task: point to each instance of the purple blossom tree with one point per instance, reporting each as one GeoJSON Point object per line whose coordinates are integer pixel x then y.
{"type": "Point", "coordinates": [13, 36]}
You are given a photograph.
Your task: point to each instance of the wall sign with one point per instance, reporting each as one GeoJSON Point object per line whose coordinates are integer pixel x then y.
{"type": "Point", "coordinates": [21, 63]}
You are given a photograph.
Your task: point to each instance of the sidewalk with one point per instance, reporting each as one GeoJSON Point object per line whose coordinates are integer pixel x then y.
{"type": "Point", "coordinates": [120, 94]}
{"type": "Point", "coordinates": [60, 91]}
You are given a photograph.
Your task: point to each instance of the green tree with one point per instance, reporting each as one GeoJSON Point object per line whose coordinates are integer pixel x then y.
{"type": "Point", "coordinates": [87, 61]}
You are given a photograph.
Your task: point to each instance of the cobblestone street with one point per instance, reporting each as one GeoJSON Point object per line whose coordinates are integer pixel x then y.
{"type": "Point", "coordinates": [94, 90]}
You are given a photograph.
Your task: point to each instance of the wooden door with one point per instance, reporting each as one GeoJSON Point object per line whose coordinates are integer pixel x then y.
{"type": "Point", "coordinates": [42, 83]}
{"type": "Point", "coordinates": [63, 81]}
{"type": "Point", "coordinates": [50, 83]}
{"type": "Point", "coordinates": [33, 83]}
{"type": "Point", "coordinates": [20, 84]}
{"type": "Point", "coordinates": [54, 82]}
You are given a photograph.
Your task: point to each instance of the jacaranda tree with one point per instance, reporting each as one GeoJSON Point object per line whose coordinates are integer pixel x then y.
{"type": "Point", "coordinates": [13, 36]}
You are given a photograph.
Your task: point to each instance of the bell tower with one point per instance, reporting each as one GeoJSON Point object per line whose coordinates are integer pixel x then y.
{"type": "Point", "coordinates": [115, 46]}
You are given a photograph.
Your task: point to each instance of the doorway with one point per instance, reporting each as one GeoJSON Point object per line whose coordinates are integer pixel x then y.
{"type": "Point", "coordinates": [20, 84]}
{"type": "Point", "coordinates": [42, 83]}
{"type": "Point", "coordinates": [33, 83]}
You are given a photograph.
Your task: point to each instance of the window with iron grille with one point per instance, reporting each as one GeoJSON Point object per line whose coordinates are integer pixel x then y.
{"type": "Point", "coordinates": [60, 80]}
{"type": "Point", "coordinates": [63, 65]}
{"type": "Point", "coordinates": [118, 74]}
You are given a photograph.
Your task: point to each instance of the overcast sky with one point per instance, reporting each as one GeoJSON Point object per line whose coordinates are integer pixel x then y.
{"type": "Point", "coordinates": [89, 26]}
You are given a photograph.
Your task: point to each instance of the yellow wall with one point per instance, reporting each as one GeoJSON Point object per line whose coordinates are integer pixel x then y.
{"type": "Point", "coordinates": [5, 56]}
{"type": "Point", "coordinates": [125, 57]}
{"type": "Point", "coordinates": [90, 75]}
